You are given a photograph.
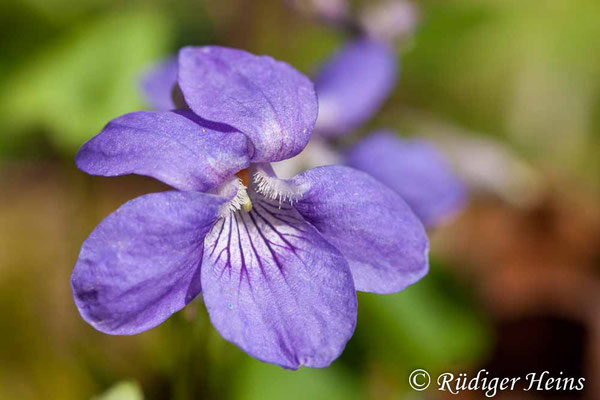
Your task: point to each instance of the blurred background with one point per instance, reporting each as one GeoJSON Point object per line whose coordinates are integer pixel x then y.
{"type": "Point", "coordinates": [508, 89]}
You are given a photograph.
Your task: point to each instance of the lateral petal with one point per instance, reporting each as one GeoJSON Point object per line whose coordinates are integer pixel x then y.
{"type": "Point", "coordinates": [175, 147]}
{"type": "Point", "coordinates": [142, 263]}
{"type": "Point", "coordinates": [384, 242]}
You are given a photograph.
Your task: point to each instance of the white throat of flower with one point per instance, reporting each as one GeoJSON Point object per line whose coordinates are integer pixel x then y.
{"type": "Point", "coordinates": [276, 189]}
{"type": "Point", "coordinates": [258, 185]}
{"type": "Point", "coordinates": [241, 199]}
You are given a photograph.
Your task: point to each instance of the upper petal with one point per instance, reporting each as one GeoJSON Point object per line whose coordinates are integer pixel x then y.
{"type": "Point", "coordinates": [157, 85]}
{"type": "Point", "coordinates": [268, 100]}
{"type": "Point", "coordinates": [416, 170]}
{"type": "Point", "coordinates": [141, 264]}
{"type": "Point", "coordinates": [353, 85]}
{"type": "Point", "coordinates": [169, 146]}
{"type": "Point", "coordinates": [384, 242]}
{"type": "Point", "coordinates": [274, 287]}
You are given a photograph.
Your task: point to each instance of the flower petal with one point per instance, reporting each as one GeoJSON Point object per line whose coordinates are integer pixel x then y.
{"type": "Point", "coordinates": [274, 287]}
{"type": "Point", "coordinates": [269, 101]}
{"type": "Point", "coordinates": [353, 85]}
{"type": "Point", "coordinates": [416, 170]}
{"type": "Point", "coordinates": [169, 146]}
{"type": "Point", "coordinates": [141, 264]}
{"type": "Point", "coordinates": [157, 85]}
{"type": "Point", "coordinates": [384, 242]}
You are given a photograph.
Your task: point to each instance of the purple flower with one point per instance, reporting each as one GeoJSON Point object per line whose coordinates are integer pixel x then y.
{"type": "Point", "coordinates": [351, 88]}
{"type": "Point", "coordinates": [157, 85]}
{"type": "Point", "coordinates": [353, 85]}
{"type": "Point", "coordinates": [415, 169]}
{"type": "Point", "coordinates": [277, 261]}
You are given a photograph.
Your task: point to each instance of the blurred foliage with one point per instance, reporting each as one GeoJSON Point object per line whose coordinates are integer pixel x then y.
{"type": "Point", "coordinates": [264, 381]}
{"type": "Point", "coordinates": [94, 66]}
{"type": "Point", "coordinates": [122, 391]}
{"type": "Point", "coordinates": [528, 72]}
{"type": "Point", "coordinates": [432, 323]}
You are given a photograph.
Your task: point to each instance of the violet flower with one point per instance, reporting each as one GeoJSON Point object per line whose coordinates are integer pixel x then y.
{"type": "Point", "coordinates": [356, 81]}
{"type": "Point", "coordinates": [415, 169]}
{"type": "Point", "coordinates": [351, 88]}
{"type": "Point", "coordinates": [353, 85]}
{"type": "Point", "coordinates": [157, 84]}
{"type": "Point", "coordinates": [277, 261]}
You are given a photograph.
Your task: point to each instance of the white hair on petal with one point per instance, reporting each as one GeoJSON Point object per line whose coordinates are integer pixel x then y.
{"type": "Point", "coordinates": [276, 189]}
{"type": "Point", "coordinates": [238, 201]}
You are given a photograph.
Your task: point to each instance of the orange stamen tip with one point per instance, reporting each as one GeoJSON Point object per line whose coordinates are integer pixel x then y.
{"type": "Point", "coordinates": [244, 176]}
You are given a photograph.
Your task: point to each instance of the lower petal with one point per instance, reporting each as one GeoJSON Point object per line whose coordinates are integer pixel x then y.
{"type": "Point", "coordinates": [384, 242]}
{"type": "Point", "coordinates": [274, 287]}
{"type": "Point", "coordinates": [141, 264]}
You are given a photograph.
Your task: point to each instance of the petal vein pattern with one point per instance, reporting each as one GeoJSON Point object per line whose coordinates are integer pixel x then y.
{"type": "Point", "coordinates": [276, 288]}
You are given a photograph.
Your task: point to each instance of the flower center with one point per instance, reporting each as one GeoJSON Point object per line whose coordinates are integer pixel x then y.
{"type": "Point", "coordinates": [255, 183]}
{"type": "Point", "coordinates": [276, 189]}
{"type": "Point", "coordinates": [244, 176]}
{"type": "Point", "coordinates": [243, 198]}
